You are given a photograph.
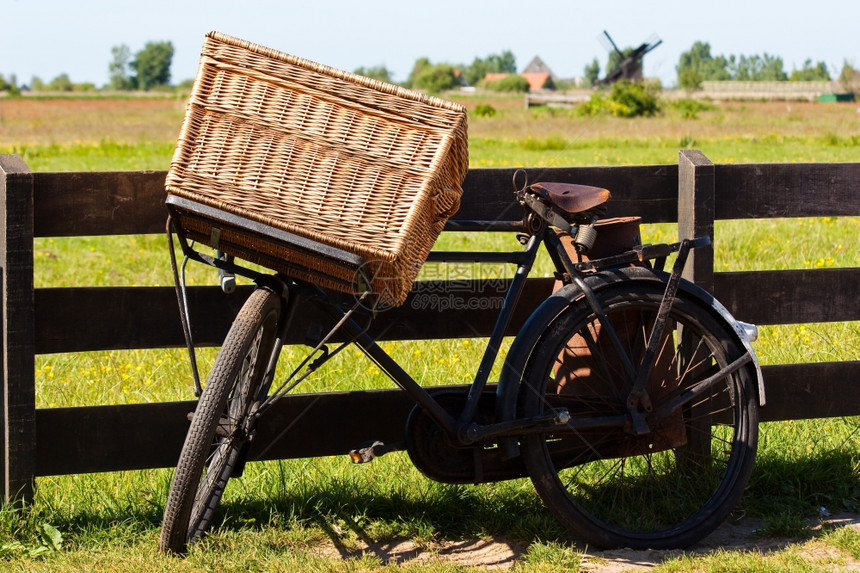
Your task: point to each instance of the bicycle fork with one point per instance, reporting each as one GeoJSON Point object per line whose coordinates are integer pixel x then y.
{"type": "Point", "coordinates": [638, 401]}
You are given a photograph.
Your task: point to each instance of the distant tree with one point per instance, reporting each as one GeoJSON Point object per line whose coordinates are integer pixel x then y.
{"type": "Point", "coordinates": [504, 63]}
{"type": "Point", "coordinates": [697, 65]}
{"type": "Point", "coordinates": [380, 73]}
{"type": "Point", "coordinates": [119, 67]}
{"type": "Point", "coordinates": [849, 78]}
{"type": "Point", "coordinates": [773, 69]}
{"type": "Point", "coordinates": [152, 65]}
{"type": "Point", "coordinates": [10, 86]}
{"type": "Point", "coordinates": [690, 79]}
{"type": "Point", "coordinates": [810, 73]}
{"type": "Point", "coordinates": [436, 78]}
{"type": "Point", "coordinates": [36, 84]}
{"type": "Point", "coordinates": [61, 83]}
{"type": "Point", "coordinates": [476, 71]}
{"type": "Point", "coordinates": [757, 68]}
{"type": "Point", "coordinates": [417, 68]}
{"type": "Point", "coordinates": [591, 73]}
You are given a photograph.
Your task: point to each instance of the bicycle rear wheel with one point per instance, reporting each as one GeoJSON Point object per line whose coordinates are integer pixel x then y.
{"type": "Point", "coordinates": [219, 429]}
{"type": "Point", "coordinates": [664, 489]}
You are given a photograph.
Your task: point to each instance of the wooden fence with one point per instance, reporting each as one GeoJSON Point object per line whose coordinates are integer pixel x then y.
{"type": "Point", "coordinates": [107, 438]}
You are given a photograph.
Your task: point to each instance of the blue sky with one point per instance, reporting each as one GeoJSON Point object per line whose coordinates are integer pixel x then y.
{"type": "Point", "coordinates": [45, 38]}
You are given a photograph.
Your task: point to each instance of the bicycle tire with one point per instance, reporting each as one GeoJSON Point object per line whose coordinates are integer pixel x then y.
{"type": "Point", "coordinates": [672, 486]}
{"type": "Point", "coordinates": [218, 432]}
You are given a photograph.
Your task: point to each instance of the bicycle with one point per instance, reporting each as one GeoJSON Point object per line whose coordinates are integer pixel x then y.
{"type": "Point", "coordinates": [629, 397]}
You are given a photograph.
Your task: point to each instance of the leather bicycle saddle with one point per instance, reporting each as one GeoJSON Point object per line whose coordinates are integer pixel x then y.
{"type": "Point", "coordinates": [571, 197]}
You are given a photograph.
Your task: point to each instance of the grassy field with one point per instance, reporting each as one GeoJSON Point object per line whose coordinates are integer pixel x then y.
{"type": "Point", "coordinates": [281, 515]}
{"type": "Point", "coordinates": [83, 134]}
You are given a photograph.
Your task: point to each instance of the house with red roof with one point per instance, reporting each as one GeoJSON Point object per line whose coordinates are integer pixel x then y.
{"type": "Point", "coordinates": [537, 73]}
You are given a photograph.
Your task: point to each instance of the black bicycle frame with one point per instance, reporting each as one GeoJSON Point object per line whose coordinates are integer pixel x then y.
{"type": "Point", "coordinates": [463, 428]}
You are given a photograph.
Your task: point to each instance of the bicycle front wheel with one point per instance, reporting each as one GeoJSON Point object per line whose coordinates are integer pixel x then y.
{"type": "Point", "coordinates": [219, 427]}
{"type": "Point", "coordinates": [665, 488]}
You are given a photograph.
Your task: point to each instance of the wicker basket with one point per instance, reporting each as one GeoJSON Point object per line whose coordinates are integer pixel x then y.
{"type": "Point", "coordinates": [347, 161]}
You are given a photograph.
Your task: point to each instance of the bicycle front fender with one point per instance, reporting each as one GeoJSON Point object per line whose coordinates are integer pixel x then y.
{"type": "Point", "coordinates": [526, 340]}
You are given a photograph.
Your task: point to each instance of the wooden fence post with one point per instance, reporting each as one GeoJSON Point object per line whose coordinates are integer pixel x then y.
{"type": "Point", "coordinates": [18, 339]}
{"type": "Point", "coordinates": [696, 185]}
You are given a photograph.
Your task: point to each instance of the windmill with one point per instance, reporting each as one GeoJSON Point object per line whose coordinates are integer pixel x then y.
{"type": "Point", "coordinates": [630, 67]}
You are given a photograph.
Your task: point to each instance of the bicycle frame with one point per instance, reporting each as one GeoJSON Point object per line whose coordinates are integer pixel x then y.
{"type": "Point", "coordinates": [463, 428]}
{"type": "Point", "coordinates": [531, 425]}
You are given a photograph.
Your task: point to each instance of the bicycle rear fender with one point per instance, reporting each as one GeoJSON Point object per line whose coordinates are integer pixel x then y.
{"type": "Point", "coordinates": [528, 336]}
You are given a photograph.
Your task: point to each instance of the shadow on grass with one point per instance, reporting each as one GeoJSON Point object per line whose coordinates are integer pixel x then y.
{"type": "Point", "coordinates": [787, 493]}
{"type": "Point", "coordinates": [782, 505]}
{"type": "Point", "coordinates": [439, 511]}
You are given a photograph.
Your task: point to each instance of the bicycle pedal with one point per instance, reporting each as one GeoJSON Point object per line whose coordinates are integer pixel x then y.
{"type": "Point", "coordinates": [370, 451]}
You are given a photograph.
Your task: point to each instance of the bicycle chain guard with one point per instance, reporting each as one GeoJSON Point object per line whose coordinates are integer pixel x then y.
{"type": "Point", "coordinates": [433, 453]}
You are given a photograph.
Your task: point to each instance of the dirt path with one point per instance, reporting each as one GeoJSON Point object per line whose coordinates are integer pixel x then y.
{"type": "Point", "coordinates": [500, 555]}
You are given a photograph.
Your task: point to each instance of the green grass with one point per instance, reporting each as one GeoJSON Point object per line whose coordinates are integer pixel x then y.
{"type": "Point", "coordinates": [556, 151]}
{"type": "Point", "coordinates": [282, 513]}
{"type": "Point", "coordinates": [103, 155]}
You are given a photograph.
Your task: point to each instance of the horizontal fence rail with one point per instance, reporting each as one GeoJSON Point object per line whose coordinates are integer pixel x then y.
{"type": "Point", "coordinates": [693, 193]}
